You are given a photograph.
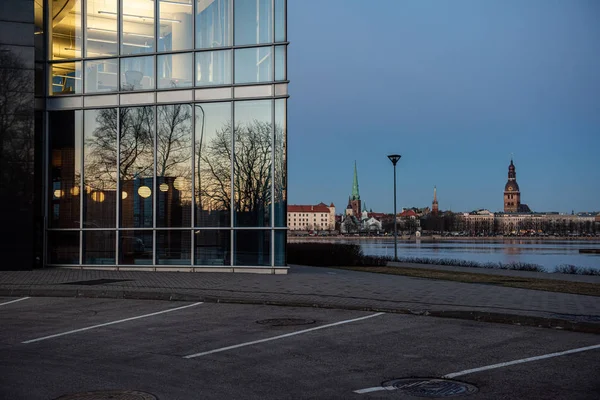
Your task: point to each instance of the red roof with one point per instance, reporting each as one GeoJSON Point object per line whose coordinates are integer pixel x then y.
{"type": "Point", "coordinates": [307, 208]}
{"type": "Point", "coordinates": [408, 213]}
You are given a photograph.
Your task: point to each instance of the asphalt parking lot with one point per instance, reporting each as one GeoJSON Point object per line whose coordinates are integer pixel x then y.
{"type": "Point", "coordinates": [53, 347]}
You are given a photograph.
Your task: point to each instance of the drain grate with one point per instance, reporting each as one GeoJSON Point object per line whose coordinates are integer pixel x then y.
{"type": "Point", "coordinates": [96, 282]}
{"type": "Point", "coordinates": [109, 395]}
{"type": "Point", "coordinates": [430, 387]}
{"type": "Point", "coordinates": [286, 321]}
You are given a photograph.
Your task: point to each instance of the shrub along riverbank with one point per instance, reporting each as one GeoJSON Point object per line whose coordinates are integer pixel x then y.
{"type": "Point", "coordinates": [351, 255]}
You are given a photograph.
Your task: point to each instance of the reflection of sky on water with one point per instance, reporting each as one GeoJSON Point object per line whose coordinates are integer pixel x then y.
{"type": "Point", "coordinates": [547, 254]}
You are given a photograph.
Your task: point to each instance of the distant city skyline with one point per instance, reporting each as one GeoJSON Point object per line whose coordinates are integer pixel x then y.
{"type": "Point", "coordinates": [455, 88]}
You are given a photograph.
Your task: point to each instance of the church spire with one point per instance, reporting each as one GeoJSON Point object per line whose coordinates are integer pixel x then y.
{"type": "Point", "coordinates": [355, 194]}
{"type": "Point", "coordinates": [434, 204]}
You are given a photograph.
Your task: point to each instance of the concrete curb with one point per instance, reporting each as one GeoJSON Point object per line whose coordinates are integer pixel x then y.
{"type": "Point", "coordinates": [483, 316]}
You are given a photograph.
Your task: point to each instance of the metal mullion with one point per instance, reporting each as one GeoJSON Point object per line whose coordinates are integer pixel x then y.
{"type": "Point", "coordinates": [232, 22]}
{"type": "Point", "coordinates": [46, 175]}
{"type": "Point", "coordinates": [81, 186]}
{"type": "Point", "coordinates": [194, 7]}
{"type": "Point", "coordinates": [232, 188]}
{"type": "Point", "coordinates": [193, 241]}
{"type": "Point", "coordinates": [118, 191]}
{"type": "Point", "coordinates": [156, 36]}
{"type": "Point", "coordinates": [273, 133]}
{"type": "Point", "coordinates": [155, 197]}
{"type": "Point", "coordinates": [285, 16]}
{"type": "Point", "coordinates": [272, 21]}
{"type": "Point", "coordinates": [83, 22]}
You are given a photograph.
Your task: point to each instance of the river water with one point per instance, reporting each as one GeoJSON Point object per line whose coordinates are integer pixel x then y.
{"type": "Point", "coordinates": [548, 254]}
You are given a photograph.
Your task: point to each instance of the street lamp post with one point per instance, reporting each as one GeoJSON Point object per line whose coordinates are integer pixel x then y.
{"type": "Point", "coordinates": [394, 159]}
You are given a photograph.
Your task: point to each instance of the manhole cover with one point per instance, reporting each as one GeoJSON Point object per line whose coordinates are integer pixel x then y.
{"type": "Point", "coordinates": [286, 321]}
{"type": "Point", "coordinates": [109, 395]}
{"type": "Point", "coordinates": [430, 387]}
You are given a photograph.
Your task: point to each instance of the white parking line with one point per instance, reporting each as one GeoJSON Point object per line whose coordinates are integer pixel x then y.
{"type": "Point", "coordinates": [109, 323]}
{"type": "Point", "coordinates": [493, 366]}
{"type": "Point", "coordinates": [524, 360]}
{"type": "Point", "coordinates": [14, 301]}
{"type": "Point", "coordinates": [280, 336]}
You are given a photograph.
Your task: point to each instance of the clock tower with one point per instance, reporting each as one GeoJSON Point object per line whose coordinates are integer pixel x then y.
{"type": "Point", "coordinates": [512, 195]}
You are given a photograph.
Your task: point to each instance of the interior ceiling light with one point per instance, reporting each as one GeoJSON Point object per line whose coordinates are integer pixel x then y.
{"type": "Point", "coordinates": [146, 46]}
{"type": "Point", "coordinates": [67, 76]}
{"type": "Point", "coordinates": [124, 33]}
{"type": "Point", "coordinates": [176, 2]}
{"type": "Point", "coordinates": [138, 16]}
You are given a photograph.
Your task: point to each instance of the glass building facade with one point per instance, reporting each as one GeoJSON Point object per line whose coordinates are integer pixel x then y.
{"type": "Point", "coordinates": [164, 134]}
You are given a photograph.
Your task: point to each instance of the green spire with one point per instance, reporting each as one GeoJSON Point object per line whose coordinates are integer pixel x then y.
{"type": "Point", "coordinates": [355, 194]}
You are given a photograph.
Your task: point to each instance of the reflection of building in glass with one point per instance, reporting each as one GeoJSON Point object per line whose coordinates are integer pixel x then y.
{"type": "Point", "coordinates": [166, 132]}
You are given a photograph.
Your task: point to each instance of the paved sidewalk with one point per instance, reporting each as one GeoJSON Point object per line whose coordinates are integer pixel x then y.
{"type": "Point", "coordinates": [322, 287]}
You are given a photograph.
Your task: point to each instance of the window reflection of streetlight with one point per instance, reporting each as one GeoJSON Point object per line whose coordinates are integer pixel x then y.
{"type": "Point", "coordinates": [144, 191]}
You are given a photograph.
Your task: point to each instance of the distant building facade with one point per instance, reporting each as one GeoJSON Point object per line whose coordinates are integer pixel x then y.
{"type": "Point", "coordinates": [318, 217]}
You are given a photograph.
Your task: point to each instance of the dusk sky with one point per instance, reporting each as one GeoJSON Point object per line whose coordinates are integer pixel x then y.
{"type": "Point", "coordinates": [455, 87]}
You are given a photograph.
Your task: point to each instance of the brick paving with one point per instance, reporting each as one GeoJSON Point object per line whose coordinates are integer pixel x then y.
{"type": "Point", "coordinates": [309, 286]}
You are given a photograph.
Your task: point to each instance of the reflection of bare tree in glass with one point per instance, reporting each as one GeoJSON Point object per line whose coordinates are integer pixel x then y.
{"type": "Point", "coordinates": [174, 141]}
{"type": "Point", "coordinates": [136, 142]}
{"type": "Point", "coordinates": [214, 171]}
{"type": "Point", "coordinates": [136, 146]}
{"type": "Point", "coordinates": [16, 127]}
{"type": "Point", "coordinates": [101, 152]}
{"type": "Point", "coordinates": [252, 165]}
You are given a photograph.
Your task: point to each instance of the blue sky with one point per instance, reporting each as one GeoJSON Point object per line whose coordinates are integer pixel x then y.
{"type": "Point", "coordinates": [455, 87]}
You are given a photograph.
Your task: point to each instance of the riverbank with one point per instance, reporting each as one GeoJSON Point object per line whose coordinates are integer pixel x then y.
{"type": "Point", "coordinates": [435, 238]}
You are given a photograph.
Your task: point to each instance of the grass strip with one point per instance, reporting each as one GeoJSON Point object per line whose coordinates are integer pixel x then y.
{"type": "Point", "coordinates": [549, 285]}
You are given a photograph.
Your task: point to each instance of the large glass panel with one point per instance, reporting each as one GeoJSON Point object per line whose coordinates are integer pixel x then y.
{"type": "Point", "coordinates": [39, 37]}
{"type": "Point", "coordinates": [212, 164]}
{"type": "Point", "coordinates": [253, 65]}
{"type": "Point", "coordinates": [253, 22]}
{"type": "Point", "coordinates": [135, 247]}
{"type": "Point", "coordinates": [280, 20]}
{"type": "Point", "coordinates": [174, 71]}
{"type": "Point", "coordinates": [101, 26]}
{"type": "Point", "coordinates": [173, 247]}
{"type": "Point", "coordinates": [100, 168]}
{"type": "Point", "coordinates": [137, 26]}
{"type": "Point", "coordinates": [101, 76]}
{"type": "Point", "coordinates": [63, 247]}
{"type": "Point", "coordinates": [213, 247]}
{"type": "Point", "coordinates": [66, 133]}
{"type": "Point", "coordinates": [99, 247]}
{"type": "Point", "coordinates": [280, 72]}
{"type": "Point", "coordinates": [137, 73]}
{"type": "Point", "coordinates": [252, 163]}
{"type": "Point", "coordinates": [66, 29]}
{"type": "Point", "coordinates": [280, 248]}
{"type": "Point", "coordinates": [213, 68]}
{"type": "Point", "coordinates": [176, 24]}
{"type": "Point", "coordinates": [252, 247]}
{"type": "Point", "coordinates": [66, 78]}
{"type": "Point", "coordinates": [174, 166]}
{"type": "Point", "coordinates": [280, 166]}
{"type": "Point", "coordinates": [136, 166]}
{"type": "Point", "coordinates": [212, 23]}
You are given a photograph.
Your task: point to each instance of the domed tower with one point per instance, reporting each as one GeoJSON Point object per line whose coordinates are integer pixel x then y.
{"type": "Point", "coordinates": [512, 195]}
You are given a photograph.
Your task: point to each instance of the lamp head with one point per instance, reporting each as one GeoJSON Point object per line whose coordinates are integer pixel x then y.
{"type": "Point", "coordinates": [394, 158]}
